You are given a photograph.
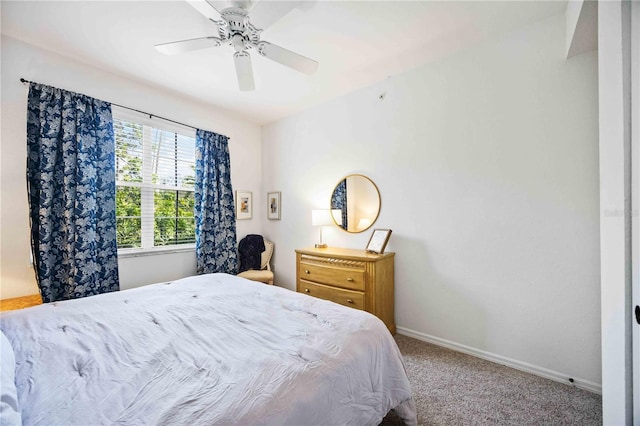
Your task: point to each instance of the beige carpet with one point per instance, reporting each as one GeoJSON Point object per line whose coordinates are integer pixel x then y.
{"type": "Point", "coordinates": [452, 388]}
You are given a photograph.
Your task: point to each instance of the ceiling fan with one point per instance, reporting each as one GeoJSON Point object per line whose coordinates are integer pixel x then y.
{"type": "Point", "coordinates": [238, 29]}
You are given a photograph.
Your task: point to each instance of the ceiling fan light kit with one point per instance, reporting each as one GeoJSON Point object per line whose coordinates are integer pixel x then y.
{"type": "Point", "coordinates": [236, 29]}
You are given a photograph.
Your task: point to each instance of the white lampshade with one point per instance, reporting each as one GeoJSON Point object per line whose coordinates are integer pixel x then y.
{"type": "Point", "coordinates": [321, 217]}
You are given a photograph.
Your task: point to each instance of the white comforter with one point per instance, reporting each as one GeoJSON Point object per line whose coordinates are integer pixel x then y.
{"type": "Point", "coordinates": [211, 349]}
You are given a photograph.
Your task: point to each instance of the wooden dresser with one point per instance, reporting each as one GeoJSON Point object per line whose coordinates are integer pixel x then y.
{"type": "Point", "coordinates": [351, 277]}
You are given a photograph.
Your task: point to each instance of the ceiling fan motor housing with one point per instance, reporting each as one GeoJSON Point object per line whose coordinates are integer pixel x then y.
{"type": "Point", "coordinates": [236, 29]}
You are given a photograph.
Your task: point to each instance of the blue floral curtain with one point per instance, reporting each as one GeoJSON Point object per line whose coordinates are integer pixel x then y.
{"type": "Point", "coordinates": [215, 212]}
{"type": "Point", "coordinates": [339, 201]}
{"type": "Point", "coordinates": [71, 190]}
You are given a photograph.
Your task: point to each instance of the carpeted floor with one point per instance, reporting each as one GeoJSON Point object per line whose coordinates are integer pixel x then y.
{"type": "Point", "coordinates": [452, 388]}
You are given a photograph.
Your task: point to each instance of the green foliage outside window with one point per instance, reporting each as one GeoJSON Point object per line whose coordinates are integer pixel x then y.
{"type": "Point", "coordinates": [128, 217]}
{"type": "Point", "coordinates": [174, 222]}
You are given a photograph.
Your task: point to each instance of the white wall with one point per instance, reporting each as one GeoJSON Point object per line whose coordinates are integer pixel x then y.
{"type": "Point", "coordinates": [487, 165]}
{"type": "Point", "coordinates": [23, 60]}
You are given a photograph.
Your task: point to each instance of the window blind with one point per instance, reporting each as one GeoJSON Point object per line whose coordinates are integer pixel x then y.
{"type": "Point", "coordinates": [155, 178]}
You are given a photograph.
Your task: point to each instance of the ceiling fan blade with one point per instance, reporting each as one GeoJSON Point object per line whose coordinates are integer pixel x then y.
{"type": "Point", "coordinates": [221, 5]}
{"type": "Point", "coordinates": [206, 9]}
{"type": "Point", "coordinates": [244, 71]}
{"type": "Point", "coordinates": [183, 46]}
{"type": "Point", "coordinates": [264, 13]}
{"type": "Point", "coordinates": [287, 58]}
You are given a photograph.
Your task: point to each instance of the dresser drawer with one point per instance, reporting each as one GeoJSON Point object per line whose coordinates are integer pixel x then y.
{"type": "Point", "coordinates": [350, 278]}
{"type": "Point", "coordinates": [353, 299]}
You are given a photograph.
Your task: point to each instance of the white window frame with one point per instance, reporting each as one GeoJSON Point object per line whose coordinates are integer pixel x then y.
{"type": "Point", "coordinates": [147, 189]}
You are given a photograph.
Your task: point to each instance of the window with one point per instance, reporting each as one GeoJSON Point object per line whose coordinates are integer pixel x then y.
{"type": "Point", "coordinates": [155, 177]}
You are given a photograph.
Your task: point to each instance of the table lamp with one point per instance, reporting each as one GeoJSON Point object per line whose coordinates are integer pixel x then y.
{"type": "Point", "coordinates": [321, 217]}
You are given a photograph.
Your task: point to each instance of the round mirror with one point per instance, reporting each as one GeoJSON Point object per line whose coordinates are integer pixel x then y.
{"type": "Point", "coordinates": [355, 203]}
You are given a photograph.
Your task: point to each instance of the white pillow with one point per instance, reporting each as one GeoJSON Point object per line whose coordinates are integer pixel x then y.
{"type": "Point", "coordinates": [9, 409]}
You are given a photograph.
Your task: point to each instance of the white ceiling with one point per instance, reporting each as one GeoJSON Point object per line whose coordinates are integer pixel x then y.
{"type": "Point", "coordinates": [357, 43]}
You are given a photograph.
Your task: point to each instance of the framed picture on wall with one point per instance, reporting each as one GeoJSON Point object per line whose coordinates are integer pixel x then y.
{"type": "Point", "coordinates": [244, 205]}
{"type": "Point", "coordinates": [378, 241]}
{"type": "Point", "coordinates": [273, 205]}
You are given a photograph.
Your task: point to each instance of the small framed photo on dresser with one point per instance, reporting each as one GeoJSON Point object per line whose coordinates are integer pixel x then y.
{"type": "Point", "coordinates": [273, 205]}
{"type": "Point", "coordinates": [244, 205]}
{"type": "Point", "coordinates": [378, 241]}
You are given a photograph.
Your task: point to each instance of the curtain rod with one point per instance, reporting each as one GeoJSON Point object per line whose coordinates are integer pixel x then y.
{"type": "Point", "coordinates": [22, 80]}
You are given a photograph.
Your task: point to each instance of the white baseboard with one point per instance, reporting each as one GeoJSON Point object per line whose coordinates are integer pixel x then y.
{"type": "Point", "coordinates": [518, 365]}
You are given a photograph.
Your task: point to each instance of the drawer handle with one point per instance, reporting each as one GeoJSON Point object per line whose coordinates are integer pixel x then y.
{"type": "Point", "coordinates": [306, 290]}
{"type": "Point", "coordinates": [350, 279]}
{"type": "Point", "coordinates": [306, 271]}
{"type": "Point", "coordinates": [349, 300]}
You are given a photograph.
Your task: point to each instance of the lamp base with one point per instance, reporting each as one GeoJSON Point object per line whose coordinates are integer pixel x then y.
{"type": "Point", "coordinates": [321, 246]}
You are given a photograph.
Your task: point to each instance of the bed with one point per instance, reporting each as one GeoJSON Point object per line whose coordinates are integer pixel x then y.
{"type": "Point", "coordinates": [209, 349]}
